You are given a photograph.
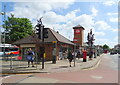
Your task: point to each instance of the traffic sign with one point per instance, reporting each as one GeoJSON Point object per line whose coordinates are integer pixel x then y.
{"type": "Point", "coordinates": [54, 41]}
{"type": "Point", "coordinates": [77, 31]}
{"type": "Point", "coordinates": [75, 40]}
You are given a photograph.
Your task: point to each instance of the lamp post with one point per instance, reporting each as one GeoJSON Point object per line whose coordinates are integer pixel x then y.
{"type": "Point", "coordinates": [74, 54]}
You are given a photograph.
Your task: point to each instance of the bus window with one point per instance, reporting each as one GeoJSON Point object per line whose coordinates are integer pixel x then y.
{"type": "Point", "coordinates": [6, 49]}
{"type": "Point", "coordinates": [13, 49]}
{"type": "Point", "coordinates": [0, 49]}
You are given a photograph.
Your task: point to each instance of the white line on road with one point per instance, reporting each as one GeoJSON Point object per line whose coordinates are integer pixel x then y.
{"type": "Point", "coordinates": [6, 77]}
{"type": "Point", "coordinates": [96, 77]}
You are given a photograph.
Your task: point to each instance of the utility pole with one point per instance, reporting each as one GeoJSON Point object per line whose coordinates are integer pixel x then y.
{"type": "Point", "coordinates": [74, 54]}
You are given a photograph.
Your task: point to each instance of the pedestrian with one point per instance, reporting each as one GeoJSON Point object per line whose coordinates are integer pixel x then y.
{"type": "Point", "coordinates": [90, 54]}
{"type": "Point", "coordinates": [30, 57]}
{"type": "Point", "coordinates": [94, 52]}
{"type": "Point", "coordinates": [60, 55]}
{"type": "Point", "coordinates": [78, 54]}
{"type": "Point", "coordinates": [70, 57]}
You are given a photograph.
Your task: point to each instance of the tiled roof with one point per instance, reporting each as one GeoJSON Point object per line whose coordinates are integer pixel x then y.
{"type": "Point", "coordinates": [53, 36]}
{"type": "Point", "coordinates": [61, 38]}
{"type": "Point", "coordinates": [78, 26]}
{"type": "Point", "coordinates": [26, 40]}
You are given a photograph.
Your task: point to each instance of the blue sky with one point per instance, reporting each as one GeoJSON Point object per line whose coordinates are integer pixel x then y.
{"type": "Point", "coordinates": [102, 17]}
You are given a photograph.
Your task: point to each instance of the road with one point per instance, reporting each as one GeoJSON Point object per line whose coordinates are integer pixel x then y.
{"type": "Point", "coordinates": [104, 72]}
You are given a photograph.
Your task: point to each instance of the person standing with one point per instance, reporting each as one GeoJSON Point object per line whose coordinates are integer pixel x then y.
{"type": "Point", "coordinates": [70, 57]}
{"type": "Point", "coordinates": [30, 57]}
{"type": "Point", "coordinates": [94, 52]}
{"type": "Point", "coordinates": [90, 54]}
{"type": "Point", "coordinates": [78, 54]}
{"type": "Point", "coordinates": [60, 54]}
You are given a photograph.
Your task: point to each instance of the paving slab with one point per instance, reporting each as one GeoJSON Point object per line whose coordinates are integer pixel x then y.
{"type": "Point", "coordinates": [20, 67]}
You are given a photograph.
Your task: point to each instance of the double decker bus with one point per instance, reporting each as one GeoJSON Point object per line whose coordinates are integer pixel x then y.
{"type": "Point", "coordinates": [8, 49]}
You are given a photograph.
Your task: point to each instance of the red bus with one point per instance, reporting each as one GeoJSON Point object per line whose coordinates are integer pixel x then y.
{"type": "Point", "coordinates": [8, 49]}
{"type": "Point", "coordinates": [105, 51]}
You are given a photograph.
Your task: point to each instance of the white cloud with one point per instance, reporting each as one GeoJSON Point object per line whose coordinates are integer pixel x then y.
{"type": "Point", "coordinates": [115, 30]}
{"type": "Point", "coordinates": [112, 14]}
{"type": "Point", "coordinates": [69, 1]}
{"type": "Point", "coordinates": [99, 34]}
{"type": "Point", "coordinates": [109, 3]}
{"type": "Point", "coordinates": [83, 20]}
{"type": "Point", "coordinates": [113, 19]}
{"type": "Point", "coordinates": [35, 10]}
{"type": "Point", "coordinates": [72, 14]}
{"type": "Point", "coordinates": [61, 23]}
{"type": "Point", "coordinates": [52, 18]}
{"type": "Point", "coordinates": [94, 11]}
{"type": "Point", "coordinates": [102, 25]}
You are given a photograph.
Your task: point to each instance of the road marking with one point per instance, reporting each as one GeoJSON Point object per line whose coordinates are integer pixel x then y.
{"type": "Point", "coordinates": [6, 77]}
{"type": "Point", "coordinates": [93, 67]}
{"type": "Point", "coordinates": [23, 79]}
{"type": "Point", "coordinates": [97, 77]}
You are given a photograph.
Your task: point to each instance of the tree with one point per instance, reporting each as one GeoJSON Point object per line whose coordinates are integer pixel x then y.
{"type": "Point", "coordinates": [105, 47]}
{"type": "Point", "coordinates": [17, 28]}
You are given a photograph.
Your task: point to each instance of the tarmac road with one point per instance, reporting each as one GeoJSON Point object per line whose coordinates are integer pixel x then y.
{"type": "Point", "coordinates": [105, 72]}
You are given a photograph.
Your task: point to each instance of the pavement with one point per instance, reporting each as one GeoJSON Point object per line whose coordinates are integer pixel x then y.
{"type": "Point", "coordinates": [21, 67]}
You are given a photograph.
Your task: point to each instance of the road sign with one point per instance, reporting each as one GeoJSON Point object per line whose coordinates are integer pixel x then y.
{"type": "Point", "coordinates": [77, 31]}
{"type": "Point", "coordinates": [75, 40]}
{"type": "Point", "coordinates": [54, 41]}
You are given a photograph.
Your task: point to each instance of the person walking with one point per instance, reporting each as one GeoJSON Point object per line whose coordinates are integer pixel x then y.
{"type": "Point", "coordinates": [30, 57]}
{"type": "Point", "coordinates": [70, 57]}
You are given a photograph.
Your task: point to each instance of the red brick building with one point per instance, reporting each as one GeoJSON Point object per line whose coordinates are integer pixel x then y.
{"type": "Point", "coordinates": [62, 43]}
{"type": "Point", "coordinates": [78, 35]}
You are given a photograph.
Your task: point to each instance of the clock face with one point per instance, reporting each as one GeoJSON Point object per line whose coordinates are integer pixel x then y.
{"type": "Point", "coordinates": [77, 31]}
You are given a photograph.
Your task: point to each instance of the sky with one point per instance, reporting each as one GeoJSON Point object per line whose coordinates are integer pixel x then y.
{"type": "Point", "coordinates": [100, 16]}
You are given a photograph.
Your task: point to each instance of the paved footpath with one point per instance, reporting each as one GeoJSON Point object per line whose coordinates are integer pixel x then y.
{"type": "Point", "coordinates": [20, 67]}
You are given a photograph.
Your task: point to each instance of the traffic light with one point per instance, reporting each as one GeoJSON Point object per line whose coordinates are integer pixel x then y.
{"type": "Point", "coordinates": [38, 31]}
{"type": "Point", "coordinates": [45, 32]}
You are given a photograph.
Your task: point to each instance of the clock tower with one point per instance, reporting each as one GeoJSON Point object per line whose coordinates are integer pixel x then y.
{"type": "Point", "coordinates": [78, 35]}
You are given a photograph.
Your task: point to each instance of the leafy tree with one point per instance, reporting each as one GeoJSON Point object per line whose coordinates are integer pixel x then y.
{"type": "Point", "coordinates": [17, 28]}
{"type": "Point", "coordinates": [105, 47]}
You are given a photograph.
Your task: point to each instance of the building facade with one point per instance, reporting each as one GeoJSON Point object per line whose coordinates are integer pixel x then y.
{"type": "Point", "coordinates": [78, 35]}
{"type": "Point", "coordinates": [55, 40]}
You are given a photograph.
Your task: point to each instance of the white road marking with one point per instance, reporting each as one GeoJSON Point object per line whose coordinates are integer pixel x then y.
{"type": "Point", "coordinates": [11, 76]}
{"type": "Point", "coordinates": [96, 77]}
{"type": "Point", "coordinates": [6, 77]}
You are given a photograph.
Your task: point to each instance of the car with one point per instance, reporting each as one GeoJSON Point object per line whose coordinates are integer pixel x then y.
{"type": "Point", "coordinates": [111, 53]}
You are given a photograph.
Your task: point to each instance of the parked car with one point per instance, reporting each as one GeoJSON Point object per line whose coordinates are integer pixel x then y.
{"type": "Point", "coordinates": [111, 53]}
